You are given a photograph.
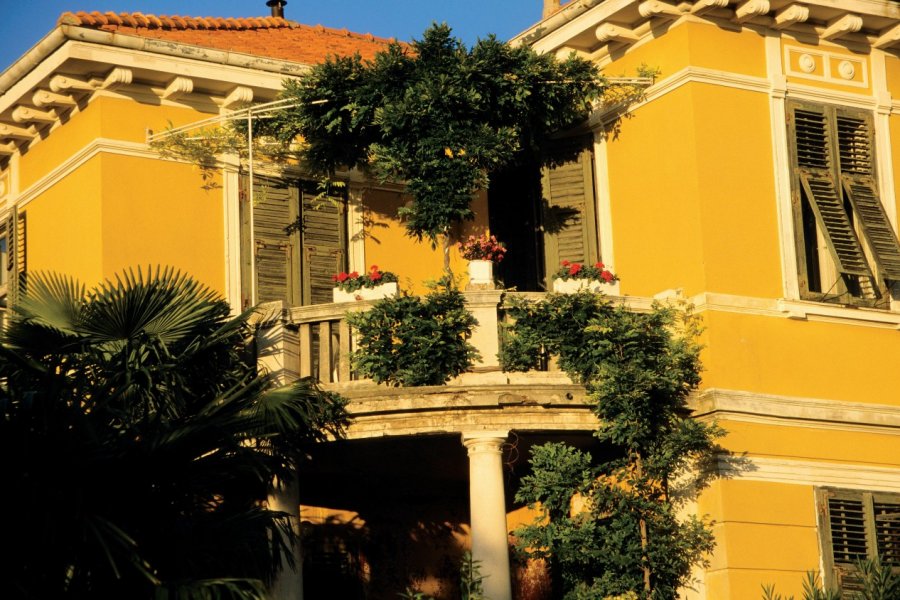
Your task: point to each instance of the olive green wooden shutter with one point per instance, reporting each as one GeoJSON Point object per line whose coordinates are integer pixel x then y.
{"type": "Point", "coordinates": [273, 252]}
{"type": "Point", "coordinates": [855, 149]}
{"type": "Point", "coordinates": [815, 147]}
{"type": "Point", "coordinates": [324, 240]}
{"type": "Point", "coordinates": [859, 526]}
{"type": "Point", "coordinates": [16, 258]}
{"type": "Point", "coordinates": [846, 536]}
{"type": "Point", "coordinates": [569, 216]}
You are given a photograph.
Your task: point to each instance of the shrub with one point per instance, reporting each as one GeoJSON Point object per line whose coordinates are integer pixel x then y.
{"type": "Point", "coordinates": [408, 340]}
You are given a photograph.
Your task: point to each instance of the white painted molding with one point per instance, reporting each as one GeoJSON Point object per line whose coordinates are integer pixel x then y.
{"type": "Point", "coordinates": [231, 210]}
{"type": "Point", "coordinates": [841, 26]}
{"type": "Point", "coordinates": [178, 87]}
{"type": "Point", "coordinates": [655, 8]}
{"type": "Point", "coordinates": [237, 97]}
{"type": "Point", "coordinates": [801, 310]}
{"type": "Point", "coordinates": [118, 76]}
{"type": "Point", "coordinates": [26, 114]}
{"type": "Point", "coordinates": [80, 157]}
{"type": "Point", "coordinates": [604, 202]}
{"type": "Point", "coordinates": [781, 165]}
{"type": "Point", "coordinates": [751, 8]}
{"type": "Point", "coordinates": [826, 96]}
{"type": "Point", "coordinates": [792, 411]}
{"type": "Point", "coordinates": [703, 6]}
{"type": "Point", "coordinates": [607, 32]}
{"type": "Point", "coordinates": [356, 250]}
{"type": "Point", "coordinates": [60, 83]}
{"type": "Point", "coordinates": [813, 473]}
{"type": "Point", "coordinates": [16, 133]}
{"type": "Point", "coordinates": [790, 15]}
{"type": "Point", "coordinates": [42, 98]}
{"type": "Point", "coordinates": [888, 38]}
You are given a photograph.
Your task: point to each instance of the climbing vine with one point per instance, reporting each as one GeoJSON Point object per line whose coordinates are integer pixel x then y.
{"type": "Point", "coordinates": [639, 369]}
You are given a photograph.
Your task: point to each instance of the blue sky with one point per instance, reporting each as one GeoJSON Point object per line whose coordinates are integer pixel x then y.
{"type": "Point", "coordinates": [24, 22]}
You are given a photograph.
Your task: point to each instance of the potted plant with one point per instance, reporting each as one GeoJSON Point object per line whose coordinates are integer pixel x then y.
{"type": "Point", "coordinates": [349, 287]}
{"type": "Point", "coordinates": [573, 277]}
{"type": "Point", "coordinates": [482, 252]}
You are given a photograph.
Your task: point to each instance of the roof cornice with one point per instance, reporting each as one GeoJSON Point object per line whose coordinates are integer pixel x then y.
{"type": "Point", "coordinates": [590, 26]}
{"type": "Point", "coordinates": [73, 64]}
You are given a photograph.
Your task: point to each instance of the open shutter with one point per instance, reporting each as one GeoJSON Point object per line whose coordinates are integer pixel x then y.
{"type": "Point", "coordinates": [849, 544]}
{"type": "Point", "coordinates": [886, 516]}
{"type": "Point", "coordinates": [815, 152]}
{"type": "Point", "coordinates": [324, 240]}
{"type": "Point", "coordinates": [274, 253]}
{"type": "Point", "coordinates": [569, 216]}
{"type": "Point", "coordinates": [16, 258]}
{"type": "Point", "coordinates": [855, 150]}
{"type": "Point", "coordinates": [859, 526]}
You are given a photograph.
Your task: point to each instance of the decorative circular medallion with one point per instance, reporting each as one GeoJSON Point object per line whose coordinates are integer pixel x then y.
{"type": "Point", "coordinates": [807, 63]}
{"type": "Point", "coordinates": [846, 69]}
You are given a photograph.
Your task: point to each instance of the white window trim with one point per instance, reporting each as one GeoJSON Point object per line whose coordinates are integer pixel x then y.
{"type": "Point", "coordinates": [880, 105]}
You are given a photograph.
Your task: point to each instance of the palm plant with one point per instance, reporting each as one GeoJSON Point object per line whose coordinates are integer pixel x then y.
{"type": "Point", "coordinates": [138, 442]}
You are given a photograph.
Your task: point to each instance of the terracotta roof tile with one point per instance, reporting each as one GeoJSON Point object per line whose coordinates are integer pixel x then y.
{"type": "Point", "coordinates": [272, 37]}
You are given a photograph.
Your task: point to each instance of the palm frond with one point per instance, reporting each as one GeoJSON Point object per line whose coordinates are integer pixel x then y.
{"type": "Point", "coordinates": [164, 304]}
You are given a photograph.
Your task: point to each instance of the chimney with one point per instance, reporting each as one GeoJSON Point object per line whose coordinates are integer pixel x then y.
{"type": "Point", "coordinates": [550, 7]}
{"type": "Point", "coordinates": [278, 7]}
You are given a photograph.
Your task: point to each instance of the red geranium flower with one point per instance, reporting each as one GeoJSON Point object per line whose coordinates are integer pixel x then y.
{"type": "Point", "coordinates": [573, 270]}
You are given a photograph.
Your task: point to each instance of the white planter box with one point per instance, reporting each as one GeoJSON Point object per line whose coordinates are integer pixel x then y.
{"type": "Point", "coordinates": [571, 286]}
{"type": "Point", "coordinates": [376, 293]}
{"type": "Point", "coordinates": [481, 272]}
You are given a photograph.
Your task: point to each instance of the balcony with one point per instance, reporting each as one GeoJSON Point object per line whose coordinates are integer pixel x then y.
{"type": "Point", "coordinates": [303, 341]}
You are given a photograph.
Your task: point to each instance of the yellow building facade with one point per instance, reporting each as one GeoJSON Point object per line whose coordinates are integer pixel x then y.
{"type": "Point", "coordinates": [758, 179]}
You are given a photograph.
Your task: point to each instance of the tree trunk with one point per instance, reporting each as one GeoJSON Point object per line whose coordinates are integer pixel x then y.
{"type": "Point", "coordinates": [642, 523]}
{"type": "Point", "coordinates": [445, 246]}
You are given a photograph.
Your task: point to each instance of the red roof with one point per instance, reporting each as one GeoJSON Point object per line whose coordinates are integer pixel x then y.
{"type": "Point", "coordinates": [273, 37]}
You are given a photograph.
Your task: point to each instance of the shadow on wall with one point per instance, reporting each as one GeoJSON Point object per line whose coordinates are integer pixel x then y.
{"type": "Point", "coordinates": [380, 555]}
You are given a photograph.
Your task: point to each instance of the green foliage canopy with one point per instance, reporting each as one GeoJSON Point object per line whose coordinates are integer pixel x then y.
{"type": "Point", "coordinates": [437, 115]}
{"type": "Point", "coordinates": [138, 442]}
{"type": "Point", "coordinates": [639, 369]}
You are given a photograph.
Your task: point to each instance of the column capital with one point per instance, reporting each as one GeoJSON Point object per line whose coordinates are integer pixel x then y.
{"type": "Point", "coordinates": [485, 440]}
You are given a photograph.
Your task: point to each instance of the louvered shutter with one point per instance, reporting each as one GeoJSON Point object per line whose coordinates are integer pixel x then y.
{"type": "Point", "coordinates": [17, 258]}
{"type": "Point", "coordinates": [886, 515]}
{"type": "Point", "coordinates": [273, 252]}
{"type": "Point", "coordinates": [848, 539]}
{"type": "Point", "coordinates": [569, 216]}
{"type": "Point", "coordinates": [860, 526]}
{"type": "Point", "coordinates": [815, 144]}
{"type": "Point", "coordinates": [856, 142]}
{"type": "Point", "coordinates": [324, 242]}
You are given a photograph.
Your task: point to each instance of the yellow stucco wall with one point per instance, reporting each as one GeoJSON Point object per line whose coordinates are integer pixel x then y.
{"type": "Point", "coordinates": [116, 210]}
{"type": "Point", "coordinates": [64, 226]}
{"type": "Point", "coordinates": [415, 262]}
{"type": "Point", "coordinates": [766, 534]}
{"type": "Point", "coordinates": [158, 214]}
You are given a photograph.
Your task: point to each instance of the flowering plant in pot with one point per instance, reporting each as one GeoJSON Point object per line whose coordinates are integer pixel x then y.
{"type": "Point", "coordinates": [482, 252]}
{"type": "Point", "coordinates": [574, 276]}
{"type": "Point", "coordinates": [367, 286]}
{"type": "Point", "coordinates": [483, 247]}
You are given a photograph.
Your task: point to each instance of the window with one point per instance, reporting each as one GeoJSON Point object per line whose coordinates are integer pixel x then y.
{"type": "Point", "coordinates": [857, 526]}
{"type": "Point", "coordinates": [847, 249]}
{"type": "Point", "coordinates": [292, 242]}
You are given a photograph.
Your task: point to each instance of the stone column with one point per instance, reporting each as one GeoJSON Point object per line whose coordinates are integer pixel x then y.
{"type": "Point", "coordinates": [277, 346]}
{"type": "Point", "coordinates": [486, 335]}
{"type": "Point", "coordinates": [288, 583]}
{"type": "Point", "coordinates": [487, 504]}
